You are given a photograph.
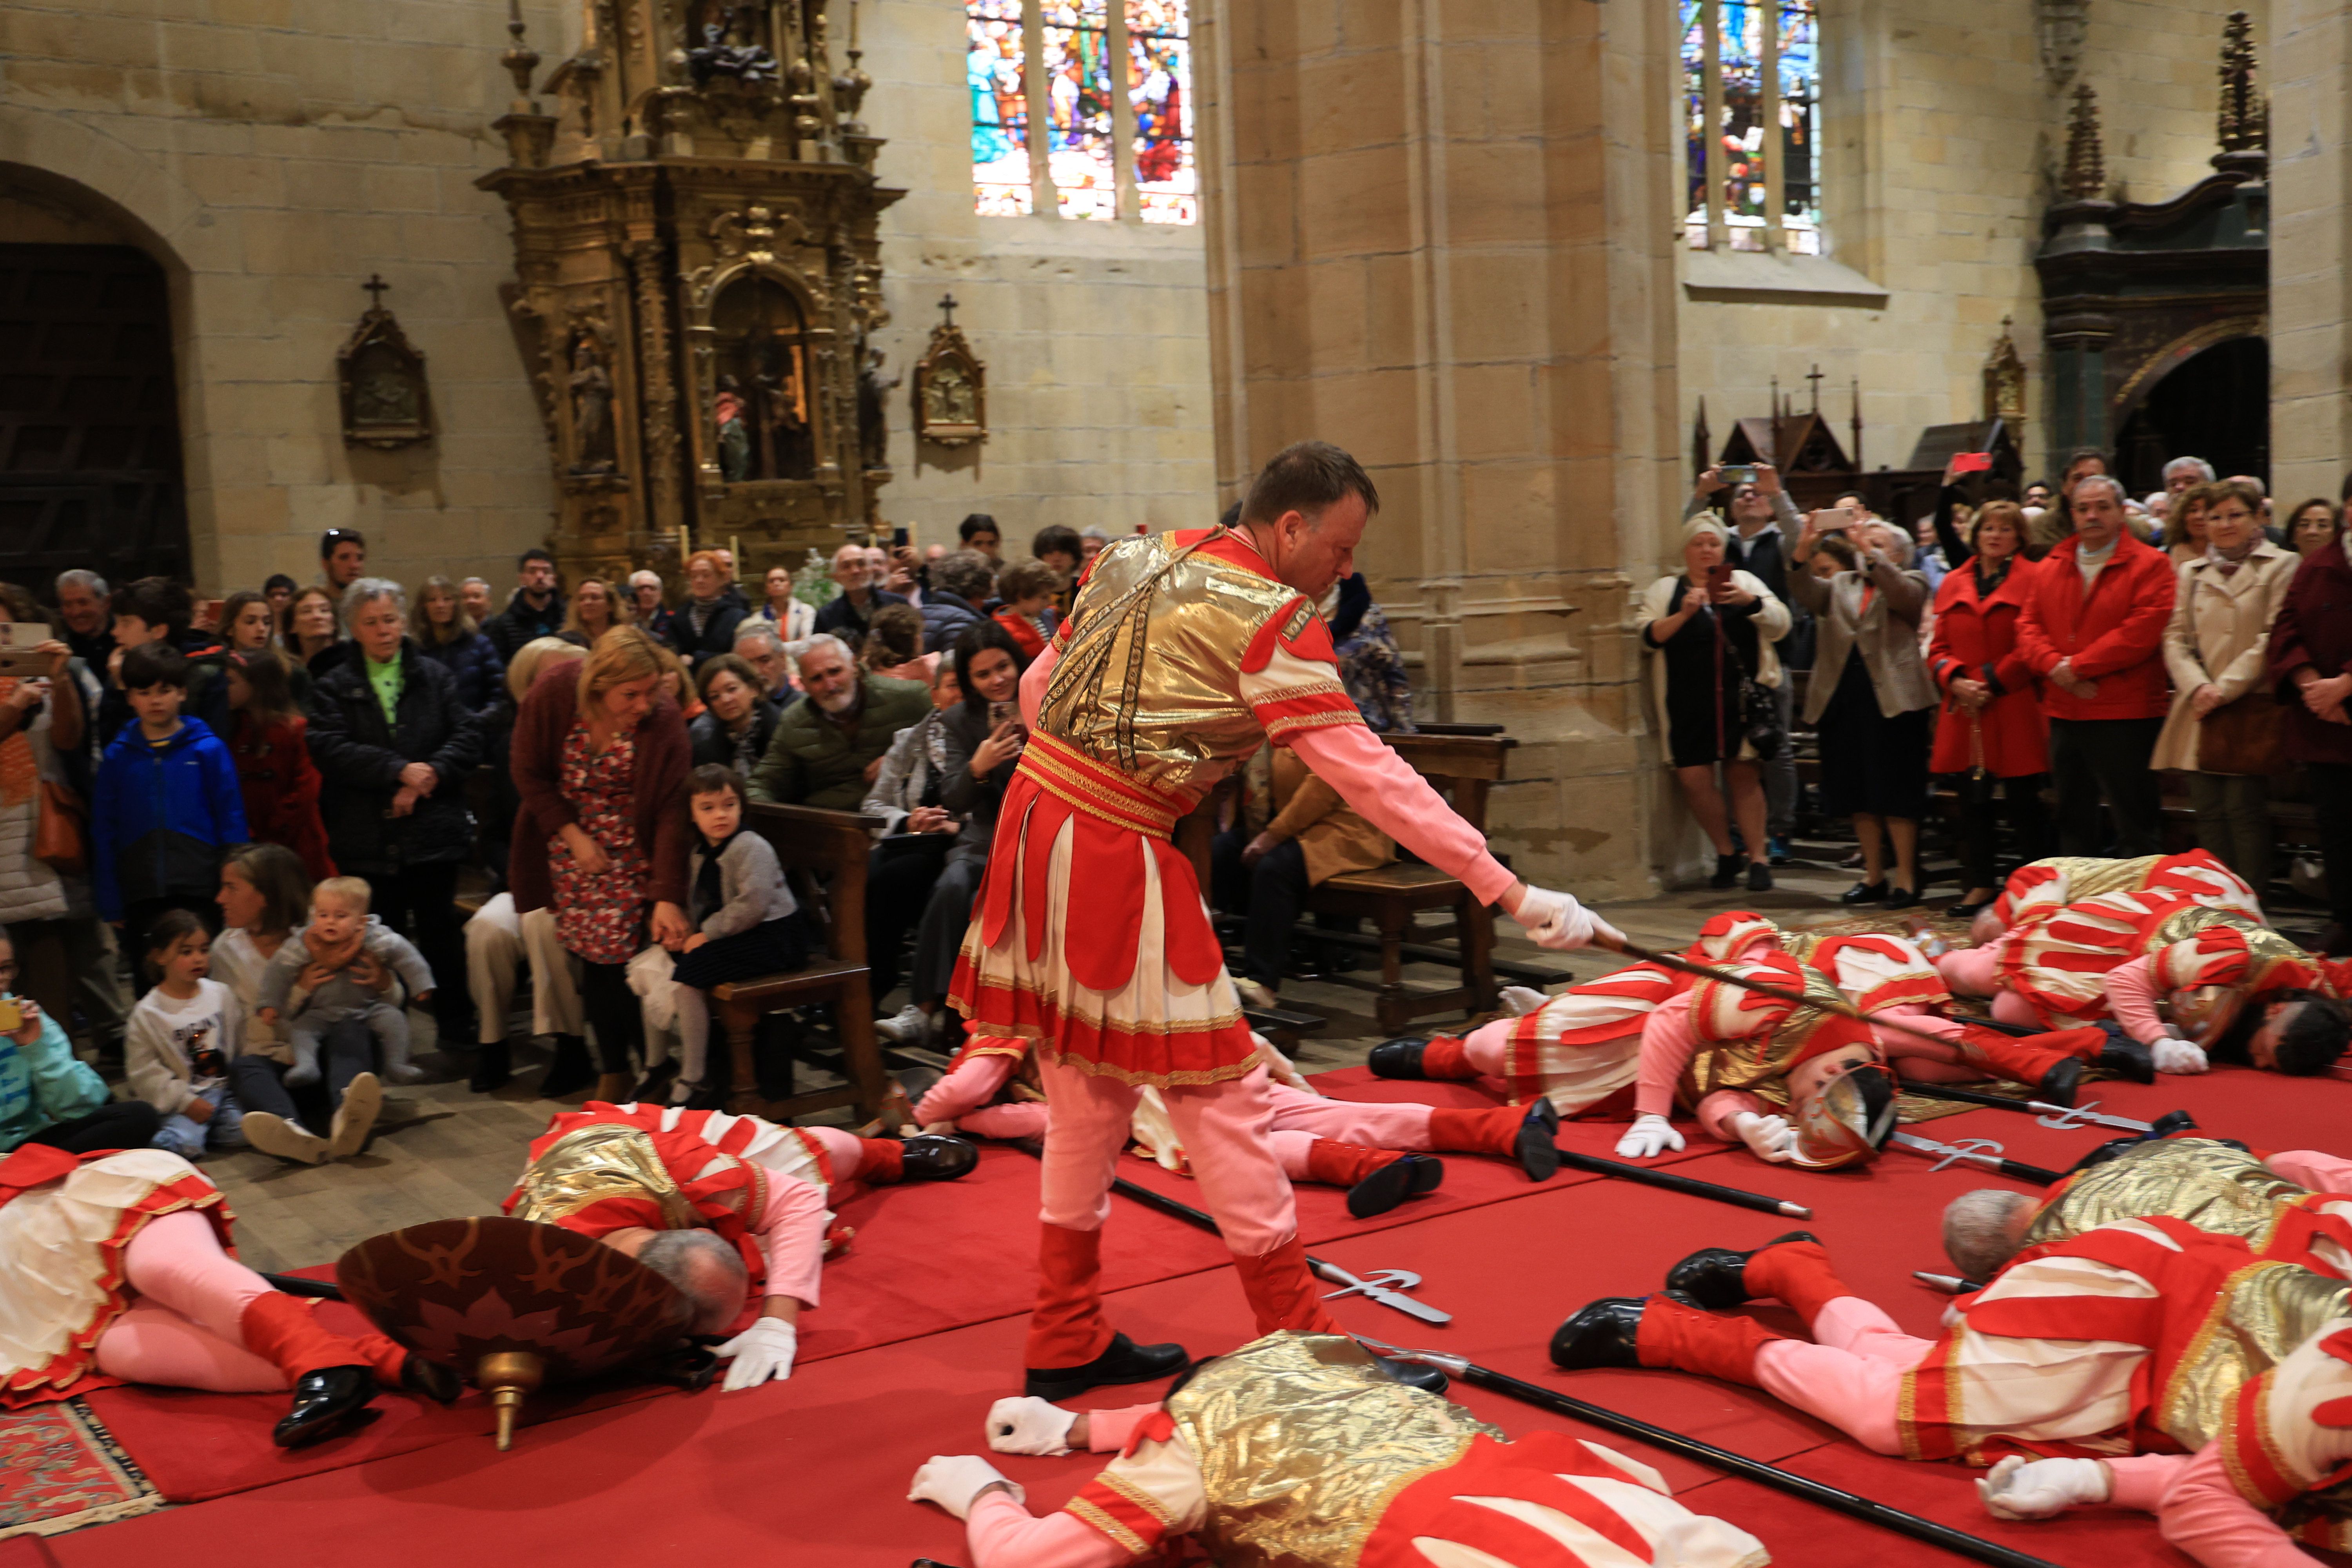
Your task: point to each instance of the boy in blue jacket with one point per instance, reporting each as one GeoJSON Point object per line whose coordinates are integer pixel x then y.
{"type": "Point", "coordinates": [166, 804]}
{"type": "Point", "coordinates": [46, 1095]}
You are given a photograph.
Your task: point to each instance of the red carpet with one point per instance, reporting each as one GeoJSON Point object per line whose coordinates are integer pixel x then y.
{"type": "Point", "coordinates": [921, 1326]}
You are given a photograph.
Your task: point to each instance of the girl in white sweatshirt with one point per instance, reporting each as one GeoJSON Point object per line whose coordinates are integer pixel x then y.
{"type": "Point", "coordinates": [180, 1039]}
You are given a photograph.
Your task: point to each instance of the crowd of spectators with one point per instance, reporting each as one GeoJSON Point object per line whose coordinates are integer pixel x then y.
{"type": "Point", "coordinates": [2082, 646]}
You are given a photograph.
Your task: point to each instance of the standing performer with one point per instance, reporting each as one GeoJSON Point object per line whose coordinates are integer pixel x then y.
{"type": "Point", "coordinates": [1184, 653]}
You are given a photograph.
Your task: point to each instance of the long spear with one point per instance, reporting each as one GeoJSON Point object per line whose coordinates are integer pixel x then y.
{"type": "Point", "coordinates": [1840, 1007]}
{"type": "Point", "coordinates": [1804, 1486]}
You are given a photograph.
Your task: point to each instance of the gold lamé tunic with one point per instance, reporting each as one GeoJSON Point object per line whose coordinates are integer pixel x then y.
{"type": "Point", "coordinates": [1757, 1063]}
{"type": "Point", "coordinates": [1266, 1423]}
{"type": "Point", "coordinates": [2272, 961]}
{"type": "Point", "coordinates": [591, 1164]}
{"type": "Point", "coordinates": [2207, 1184]}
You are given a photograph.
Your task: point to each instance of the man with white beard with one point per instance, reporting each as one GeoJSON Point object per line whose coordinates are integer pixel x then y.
{"type": "Point", "coordinates": [828, 747]}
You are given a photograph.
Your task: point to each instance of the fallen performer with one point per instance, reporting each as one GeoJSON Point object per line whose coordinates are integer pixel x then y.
{"type": "Point", "coordinates": [2274, 1476]}
{"type": "Point", "coordinates": [1379, 1152]}
{"type": "Point", "coordinates": [121, 1274]}
{"type": "Point", "coordinates": [2131, 1336]}
{"type": "Point", "coordinates": [734, 1210]}
{"type": "Point", "coordinates": [1185, 651]}
{"type": "Point", "coordinates": [2295, 1205]}
{"type": "Point", "coordinates": [1578, 1048]}
{"type": "Point", "coordinates": [2195, 983]}
{"type": "Point", "coordinates": [1298, 1448]}
{"type": "Point", "coordinates": [2036, 888]}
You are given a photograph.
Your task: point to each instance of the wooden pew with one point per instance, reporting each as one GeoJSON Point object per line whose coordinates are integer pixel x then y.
{"type": "Point", "coordinates": [823, 856]}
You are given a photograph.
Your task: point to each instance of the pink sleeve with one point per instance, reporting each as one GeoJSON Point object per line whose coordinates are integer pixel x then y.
{"type": "Point", "coordinates": [2131, 997]}
{"type": "Point", "coordinates": [1107, 1431]}
{"type": "Point", "coordinates": [964, 1090]}
{"type": "Point", "coordinates": [2310, 1168]}
{"type": "Point", "coordinates": [2138, 1480]}
{"type": "Point", "coordinates": [1033, 682]}
{"type": "Point", "coordinates": [1669, 1041]}
{"type": "Point", "coordinates": [792, 1237]}
{"type": "Point", "coordinates": [1382, 785]}
{"type": "Point", "coordinates": [2202, 1514]}
{"type": "Point", "coordinates": [1003, 1534]}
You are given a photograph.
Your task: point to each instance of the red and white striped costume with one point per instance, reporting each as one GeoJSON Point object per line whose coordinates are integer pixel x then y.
{"type": "Point", "coordinates": [766, 1189]}
{"type": "Point", "coordinates": [1890, 978]}
{"type": "Point", "coordinates": [2035, 888]}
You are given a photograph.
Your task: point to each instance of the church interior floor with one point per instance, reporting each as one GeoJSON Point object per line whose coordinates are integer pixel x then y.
{"type": "Point", "coordinates": [441, 1150]}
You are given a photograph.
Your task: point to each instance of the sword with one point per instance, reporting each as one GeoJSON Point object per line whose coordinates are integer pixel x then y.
{"type": "Point", "coordinates": [2063, 1117]}
{"type": "Point", "coordinates": [1868, 1511]}
{"type": "Point", "coordinates": [1386, 1286]}
{"type": "Point", "coordinates": [1842, 1008]}
{"type": "Point", "coordinates": [1976, 1152]}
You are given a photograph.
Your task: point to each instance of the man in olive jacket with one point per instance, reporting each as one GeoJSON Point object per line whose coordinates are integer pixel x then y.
{"type": "Point", "coordinates": [828, 746]}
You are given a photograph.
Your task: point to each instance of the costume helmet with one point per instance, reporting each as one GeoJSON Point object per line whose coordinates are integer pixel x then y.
{"type": "Point", "coordinates": [1848, 1122]}
{"type": "Point", "coordinates": [2203, 1013]}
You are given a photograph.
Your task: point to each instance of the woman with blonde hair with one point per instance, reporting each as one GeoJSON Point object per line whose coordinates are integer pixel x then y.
{"type": "Point", "coordinates": [600, 760]}
{"type": "Point", "coordinates": [596, 609]}
{"type": "Point", "coordinates": [447, 634]}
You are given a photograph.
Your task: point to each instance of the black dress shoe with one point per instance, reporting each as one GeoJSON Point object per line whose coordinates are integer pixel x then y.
{"type": "Point", "coordinates": [1416, 1374]}
{"type": "Point", "coordinates": [936, 1157]}
{"type": "Point", "coordinates": [430, 1379]}
{"type": "Point", "coordinates": [1864, 893]}
{"type": "Point", "coordinates": [492, 1067]}
{"type": "Point", "coordinates": [1965, 910]}
{"type": "Point", "coordinates": [1903, 898]}
{"type": "Point", "coordinates": [1124, 1362]}
{"type": "Point", "coordinates": [2058, 1084]}
{"type": "Point", "coordinates": [1537, 1146]}
{"type": "Point", "coordinates": [2128, 1060]}
{"type": "Point", "coordinates": [1760, 876]}
{"type": "Point", "coordinates": [1397, 1058]}
{"type": "Point", "coordinates": [571, 1072]}
{"type": "Point", "coordinates": [1715, 1276]}
{"type": "Point", "coordinates": [1382, 1191]}
{"type": "Point", "coordinates": [1600, 1333]}
{"type": "Point", "coordinates": [1428, 1173]}
{"type": "Point", "coordinates": [1728, 868]}
{"type": "Point", "coordinates": [324, 1403]}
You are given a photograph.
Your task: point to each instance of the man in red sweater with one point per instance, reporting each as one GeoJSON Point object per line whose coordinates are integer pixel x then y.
{"type": "Point", "coordinates": [2093, 631]}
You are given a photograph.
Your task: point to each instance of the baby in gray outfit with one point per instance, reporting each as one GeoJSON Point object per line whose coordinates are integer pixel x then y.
{"type": "Point", "coordinates": [342, 933]}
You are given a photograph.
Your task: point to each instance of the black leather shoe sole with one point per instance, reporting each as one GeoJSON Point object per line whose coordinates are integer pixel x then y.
{"type": "Point", "coordinates": [325, 1403]}
{"type": "Point", "coordinates": [936, 1157]}
{"type": "Point", "coordinates": [1715, 1278]}
{"type": "Point", "coordinates": [1397, 1058]}
{"type": "Point", "coordinates": [1600, 1334]}
{"type": "Point", "coordinates": [2129, 1061]}
{"type": "Point", "coordinates": [1538, 1139]}
{"type": "Point", "coordinates": [1864, 893]}
{"type": "Point", "coordinates": [2058, 1084]}
{"type": "Point", "coordinates": [1428, 1173]}
{"type": "Point", "coordinates": [1382, 1191]}
{"type": "Point", "coordinates": [1124, 1362]}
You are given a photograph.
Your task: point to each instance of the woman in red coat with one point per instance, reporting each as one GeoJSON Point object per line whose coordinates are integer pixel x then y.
{"type": "Point", "coordinates": [280, 781]}
{"type": "Point", "coordinates": [1991, 725]}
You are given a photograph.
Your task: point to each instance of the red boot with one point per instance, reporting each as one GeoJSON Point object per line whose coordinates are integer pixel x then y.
{"type": "Point", "coordinates": [1495, 1131]}
{"type": "Point", "coordinates": [1066, 1328]}
{"type": "Point", "coordinates": [1797, 1273]}
{"type": "Point", "coordinates": [2052, 1064]}
{"type": "Point", "coordinates": [1282, 1293]}
{"type": "Point", "coordinates": [1687, 1340]}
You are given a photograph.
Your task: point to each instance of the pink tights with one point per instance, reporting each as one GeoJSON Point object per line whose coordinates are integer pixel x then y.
{"type": "Point", "coordinates": [1852, 1376]}
{"type": "Point", "coordinates": [183, 1330]}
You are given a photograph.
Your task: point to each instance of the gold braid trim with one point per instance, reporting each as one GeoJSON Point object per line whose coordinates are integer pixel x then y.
{"type": "Point", "coordinates": [1094, 1518]}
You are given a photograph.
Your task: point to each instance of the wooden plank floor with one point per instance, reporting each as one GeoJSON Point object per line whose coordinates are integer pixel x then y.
{"type": "Point", "coordinates": [441, 1150]}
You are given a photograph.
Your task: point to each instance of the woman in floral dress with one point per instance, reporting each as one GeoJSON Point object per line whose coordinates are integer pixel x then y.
{"type": "Point", "coordinates": [600, 759]}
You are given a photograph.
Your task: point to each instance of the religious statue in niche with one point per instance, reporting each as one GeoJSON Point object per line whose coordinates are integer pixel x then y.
{"type": "Point", "coordinates": [591, 388]}
{"type": "Point", "coordinates": [762, 412]}
{"type": "Point", "coordinates": [381, 380]}
{"type": "Point", "coordinates": [731, 45]}
{"type": "Point", "coordinates": [873, 416]}
{"type": "Point", "coordinates": [950, 386]}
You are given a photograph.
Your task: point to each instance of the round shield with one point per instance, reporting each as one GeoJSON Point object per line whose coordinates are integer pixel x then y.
{"type": "Point", "coordinates": [455, 1290]}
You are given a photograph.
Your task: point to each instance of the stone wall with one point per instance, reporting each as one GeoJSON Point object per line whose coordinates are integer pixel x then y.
{"type": "Point", "coordinates": [2311, 251]}
{"type": "Point", "coordinates": [1942, 137]}
{"type": "Point", "coordinates": [1094, 334]}
{"type": "Point", "coordinates": [271, 155]}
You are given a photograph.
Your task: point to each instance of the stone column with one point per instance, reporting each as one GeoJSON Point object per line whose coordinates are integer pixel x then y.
{"type": "Point", "coordinates": [2308, 57]}
{"type": "Point", "coordinates": [1441, 236]}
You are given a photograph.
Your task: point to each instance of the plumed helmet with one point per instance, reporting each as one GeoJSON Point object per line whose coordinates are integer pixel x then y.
{"type": "Point", "coordinates": [1848, 1122]}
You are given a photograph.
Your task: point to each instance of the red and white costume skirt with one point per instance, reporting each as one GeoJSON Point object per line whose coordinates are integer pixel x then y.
{"type": "Point", "coordinates": [1091, 935]}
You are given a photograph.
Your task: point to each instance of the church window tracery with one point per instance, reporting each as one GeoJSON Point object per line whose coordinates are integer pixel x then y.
{"type": "Point", "coordinates": [1751, 98]}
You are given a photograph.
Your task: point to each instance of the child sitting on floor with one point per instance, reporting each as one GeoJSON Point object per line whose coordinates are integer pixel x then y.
{"type": "Point", "coordinates": [746, 922]}
{"type": "Point", "coordinates": [340, 957]}
{"type": "Point", "coordinates": [180, 1039]}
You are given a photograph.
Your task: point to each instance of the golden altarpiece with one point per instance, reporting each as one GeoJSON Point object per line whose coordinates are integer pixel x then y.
{"type": "Point", "coordinates": [697, 272]}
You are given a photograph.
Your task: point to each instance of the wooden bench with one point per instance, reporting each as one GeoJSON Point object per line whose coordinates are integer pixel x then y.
{"type": "Point", "coordinates": [1460, 766]}
{"type": "Point", "coordinates": [824, 854]}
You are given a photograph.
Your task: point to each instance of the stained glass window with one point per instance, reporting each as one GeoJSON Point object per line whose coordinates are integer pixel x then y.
{"type": "Point", "coordinates": [995, 68]}
{"type": "Point", "coordinates": [1078, 107]}
{"type": "Point", "coordinates": [1160, 85]}
{"type": "Point", "coordinates": [1763, 80]}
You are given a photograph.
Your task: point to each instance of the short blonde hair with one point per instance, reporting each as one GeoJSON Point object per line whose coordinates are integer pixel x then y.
{"type": "Point", "coordinates": [524, 667]}
{"type": "Point", "coordinates": [352, 890]}
{"type": "Point", "coordinates": [622, 655]}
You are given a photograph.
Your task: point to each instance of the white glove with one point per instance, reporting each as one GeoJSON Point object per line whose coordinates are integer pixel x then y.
{"type": "Point", "coordinates": [952, 1480]}
{"type": "Point", "coordinates": [1029, 1425]}
{"type": "Point", "coordinates": [2019, 1487]}
{"type": "Point", "coordinates": [1771, 1137]}
{"type": "Point", "coordinates": [2178, 1056]}
{"type": "Point", "coordinates": [1519, 1001]}
{"type": "Point", "coordinates": [1649, 1135]}
{"type": "Point", "coordinates": [762, 1351]}
{"type": "Point", "coordinates": [1556, 921]}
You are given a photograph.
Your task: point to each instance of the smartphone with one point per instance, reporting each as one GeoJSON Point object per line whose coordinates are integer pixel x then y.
{"type": "Point", "coordinates": [900, 538]}
{"type": "Point", "coordinates": [1971, 463]}
{"type": "Point", "coordinates": [1737, 473]}
{"type": "Point", "coordinates": [1833, 518]}
{"type": "Point", "coordinates": [12, 1016]}
{"type": "Point", "coordinates": [998, 712]}
{"type": "Point", "coordinates": [1718, 578]}
{"type": "Point", "coordinates": [17, 641]}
